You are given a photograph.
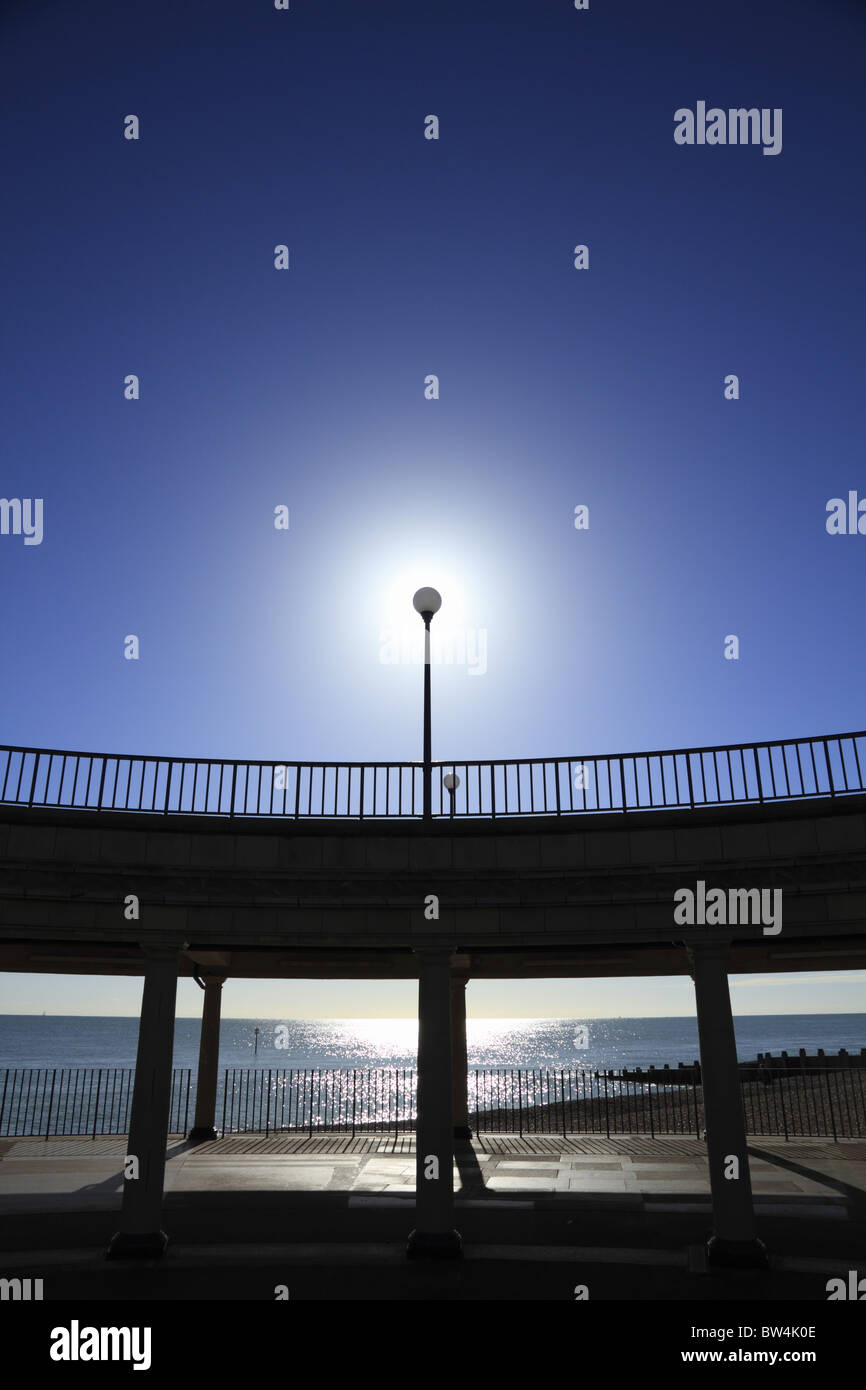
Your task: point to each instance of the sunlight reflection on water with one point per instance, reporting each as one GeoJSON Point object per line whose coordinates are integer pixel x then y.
{"type": "Point", "coordinates": [491, 1042]}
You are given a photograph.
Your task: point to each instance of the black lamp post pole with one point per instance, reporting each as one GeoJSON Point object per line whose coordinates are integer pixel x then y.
{"type": "Point", "coordinates": [428, 746]}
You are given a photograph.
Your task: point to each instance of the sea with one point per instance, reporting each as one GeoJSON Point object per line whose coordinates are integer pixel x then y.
{"type": "Point", "coordinates": [49, 1041]}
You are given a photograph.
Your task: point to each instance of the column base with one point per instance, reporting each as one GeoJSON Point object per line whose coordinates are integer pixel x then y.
{"type": "Point", "coordinates": [462, 1132]}
{"type": "Point", "coordinates": [124, 1246]}
{"type": "Point", "coordinates": [436, 1245]}
{"type": "Point", "coordinates": [737, 1254]}
{"type": "Point", "coordinates": [201, 1133]}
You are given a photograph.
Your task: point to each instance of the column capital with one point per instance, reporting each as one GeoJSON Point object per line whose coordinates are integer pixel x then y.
{"type": "Point", "coordinates": [161, 950]}
{"type": "Point", "coordinates": [216, 961]}
{"type": "Point", "coordinates": [700, 951]}
{"type": "Point", "coordinates": [434, 955]}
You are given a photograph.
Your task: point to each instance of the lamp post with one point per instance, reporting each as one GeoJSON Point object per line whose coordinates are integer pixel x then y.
{"type": "Point", "coordinates": [427, 602]}
{"type": "Point", "coordinates": [452, 782]}
{"type": "Point", "coordinates": [434, 1234]}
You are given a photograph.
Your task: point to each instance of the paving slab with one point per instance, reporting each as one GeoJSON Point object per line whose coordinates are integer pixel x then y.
{"type": "Point", "coordinates": [249, 1178]}
{"type": "Point", "coordinates": [600, 1184]}
{"type": "Point", "coordinates": [73, 1181]}
{"type": "Point", "coordinates": [513, 1184]}
{"type": "Point", "coordinates": [528, 1164]}
{"type": "Point", "coordinates": [596, 1160]}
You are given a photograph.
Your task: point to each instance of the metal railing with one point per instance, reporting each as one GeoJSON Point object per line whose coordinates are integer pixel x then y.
{"type": "Point", "coordinates": [822, 1103]}
{"type": "Point", "coordinates": [80, 1100]}
{"type": "Point", "coordinates": [376, 1100]}
{"type": "Point", "coordinates": [785, 770]}
{"type": "Point", "coordinates": [825, 1103]}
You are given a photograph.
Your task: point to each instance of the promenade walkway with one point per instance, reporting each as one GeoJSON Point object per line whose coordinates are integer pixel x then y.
{"type": "Point", "coordinates": [327, 1218]}
{"type": "Point", "coordinates": [80, 1174]}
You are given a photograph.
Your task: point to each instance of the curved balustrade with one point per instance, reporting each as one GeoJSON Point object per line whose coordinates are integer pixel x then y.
{"type": "Point", "coordinates": [790, 769]}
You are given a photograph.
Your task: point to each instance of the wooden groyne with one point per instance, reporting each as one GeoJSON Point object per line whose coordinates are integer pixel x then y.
{"type": "Point", "coordinates": [686, 1073]}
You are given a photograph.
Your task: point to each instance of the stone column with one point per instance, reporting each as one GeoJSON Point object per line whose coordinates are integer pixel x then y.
{"type": "Point", "coordinates": [208, 1061]}
{"type": "Point", "coordinates": [140, 1232]}
{"type": "Point", "coordinates": [434, 1233]}
{"type": "Point", "coordinates": [734, 1242]}
{"type": "Point", "coordinates": [459, 1099]}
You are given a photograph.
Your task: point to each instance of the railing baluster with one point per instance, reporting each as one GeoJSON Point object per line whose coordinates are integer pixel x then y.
{"type": "Point", "coordinates": [33, 780]}
{"type": "Point", "coordinates": [829, 768]}
{"type": "Point", "coordinates": [758, 771]}
{"type": "Point", "coordinates": [17, 796]}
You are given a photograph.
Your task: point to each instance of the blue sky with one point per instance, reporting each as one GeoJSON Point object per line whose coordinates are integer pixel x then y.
{"type": "Point", "coordinates": [305, 387]}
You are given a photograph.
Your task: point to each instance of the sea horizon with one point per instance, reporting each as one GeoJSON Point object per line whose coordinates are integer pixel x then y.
{"type": "Point", "coordinates": [94, 1040]}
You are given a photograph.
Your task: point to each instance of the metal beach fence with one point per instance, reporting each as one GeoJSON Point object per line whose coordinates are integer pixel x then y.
{"type": "Point", "coordinates": [828, 1102]}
